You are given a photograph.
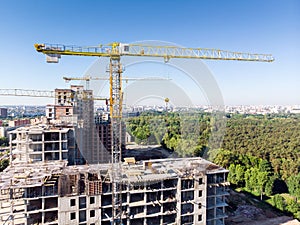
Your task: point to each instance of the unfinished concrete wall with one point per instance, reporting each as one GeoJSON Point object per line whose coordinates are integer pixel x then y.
{"type": "Point", "coordinates": [216, 196]}
{"type": "Point", "coordinates": [79, 210]}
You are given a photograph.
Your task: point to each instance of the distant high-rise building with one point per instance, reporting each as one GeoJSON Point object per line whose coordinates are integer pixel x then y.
{"type": "Point", "coordinates": [3, 112]}
{"type": "Point", "coordinates": [18, 122]}
{"type": "Point", "coordinates": [75, 107]}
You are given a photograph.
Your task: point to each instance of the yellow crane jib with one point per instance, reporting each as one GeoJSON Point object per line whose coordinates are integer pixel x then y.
{"type": "Point", "coordinates": [120, 49]}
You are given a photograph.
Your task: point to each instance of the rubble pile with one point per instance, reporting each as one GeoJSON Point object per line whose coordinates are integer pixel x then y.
{"type": "Point", "coordinates": [248, 211]}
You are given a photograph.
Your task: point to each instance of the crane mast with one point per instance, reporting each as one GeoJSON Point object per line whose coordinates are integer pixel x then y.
{"type": "Point", "coordinates": [116, 97]}
{"type": "Point", "coordinates": [114, 51]}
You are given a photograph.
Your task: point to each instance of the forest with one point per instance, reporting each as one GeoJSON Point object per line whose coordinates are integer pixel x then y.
{"type": "Point", "coordinates": [261, 152]}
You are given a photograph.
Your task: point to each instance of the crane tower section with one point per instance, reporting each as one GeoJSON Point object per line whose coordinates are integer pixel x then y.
{"type": "Point", "coordinates": [115, 71]}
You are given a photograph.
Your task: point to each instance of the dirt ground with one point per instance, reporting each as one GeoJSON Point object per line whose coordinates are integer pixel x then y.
{"type": "Point", "coordinates": [243, 210]}
{"type": "Point", "coordinates": [282, 220]}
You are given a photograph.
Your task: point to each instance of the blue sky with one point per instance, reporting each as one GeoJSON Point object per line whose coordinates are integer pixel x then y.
{"type": "Point", "coordinates": [257, 26]}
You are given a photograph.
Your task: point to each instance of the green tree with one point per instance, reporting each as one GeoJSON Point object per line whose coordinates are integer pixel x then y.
{"type": "Point", "coordinates": [293, 207]}
{"type": "Point", "coordinates": [262, 178]}
{"type": "Point", "coordinates": [224, 158]}
{"type": "Point", "coordinates": [3, 164]}
{"type": "Point", "coordinates": [251, 179]}
{"type": "Point", "coordinates": [232, 174]}
{"type": "Point", "coordinates": [297, 215]}
{"type": "Point", "coordinates": [270, 186]}
{"type": "Point", "coordinates": [293, 183]}
{"type": "Point", "coordinates": [265, 171]}
{"type": "Point", "coordinates": [236, 174]}
{"type": "Point", "coordinates": [4, 141]}
{"type": "Point", "coordinates": [279, 202]}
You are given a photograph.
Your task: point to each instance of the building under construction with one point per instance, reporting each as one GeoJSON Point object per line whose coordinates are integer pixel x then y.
{"type": "Point", "coordinates": [162, 191]}
{"type": "Point", "coordinates": [52, 178]}
{"type": "Point", "coordinates": [74, 108]}
{"type": "Point", "coordinates": [41, 187]}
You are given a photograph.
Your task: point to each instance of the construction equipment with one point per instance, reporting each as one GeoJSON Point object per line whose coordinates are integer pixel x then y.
{"type": "Point", "coordinates": [30, 93]}
{"type": "Point", "coordinates": [114, 51]}
{"type": "Point", "coordinates": [44, 94]}
{"type": "Point", "coordinates": [126, 79]}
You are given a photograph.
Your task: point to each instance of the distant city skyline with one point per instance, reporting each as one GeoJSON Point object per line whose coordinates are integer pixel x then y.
{"type": "Point", "coordinates": [33, 111]}
{"type": "Point", "coordinates": [248, 26]}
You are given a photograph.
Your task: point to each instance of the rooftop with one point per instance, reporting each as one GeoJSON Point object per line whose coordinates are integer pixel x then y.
{"type": "Point", "coordinates": [37, 174]}
{"type": "Point", "coordinates": [39, 129]}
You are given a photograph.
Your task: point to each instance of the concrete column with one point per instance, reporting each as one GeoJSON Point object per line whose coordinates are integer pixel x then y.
{"type": "Point", "coordinates": [161, 198]}
{"type": "Point", "coordinates": [145, 206]}
{"type": "Point", "coordinates": [60, 146]}
{"type": "Point", "coordinates": [178, 197]}
{"type": "Point", "coordinates": [43, 146]}
{"type": "Point", "coordinates": [128, 200]}
{"type": "Point", "coordinates": [27, 147]}
{"type": "Point", "coordinates": [10, 149]}
{"type": "Point", "coordinates": [43, 210]}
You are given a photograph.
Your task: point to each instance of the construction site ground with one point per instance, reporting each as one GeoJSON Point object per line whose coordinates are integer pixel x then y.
{"type": "Point", "coordinates": [246, 210]}
{"type": "Point", "coordinates": [146, 152]}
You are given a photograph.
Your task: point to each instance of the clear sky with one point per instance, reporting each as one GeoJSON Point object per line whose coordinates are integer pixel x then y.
{"type": "Point", "coordinates": [267, 26]}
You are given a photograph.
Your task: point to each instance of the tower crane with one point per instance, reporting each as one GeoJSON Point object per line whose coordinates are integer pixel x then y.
{"type": "Point", "coordinates": [30, 93]}
{"type": "Point", "coordinates": [41, 93]}
{"type": "Point", "coordinates": [114, 52]}
{"type": "Point", "coordinates": [89, 78]}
